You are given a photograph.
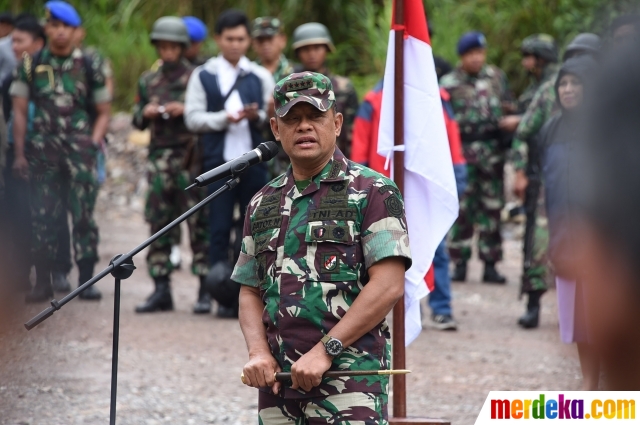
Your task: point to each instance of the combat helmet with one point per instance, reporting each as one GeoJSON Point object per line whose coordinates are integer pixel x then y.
{"type": "Point", "coordinates": [170, 28]}
{"type": "Point", "coordinates": [312, 33]}
{"type": "Point", "coordinates": [542, 46]}
{"type": "Point", "coordinates": [584, 42]}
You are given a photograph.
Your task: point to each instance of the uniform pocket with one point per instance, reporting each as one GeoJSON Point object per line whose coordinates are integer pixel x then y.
{"type": "Point", "coordinates": [266, 246]}
{"type": "Point", "coordinates": [332, 251]}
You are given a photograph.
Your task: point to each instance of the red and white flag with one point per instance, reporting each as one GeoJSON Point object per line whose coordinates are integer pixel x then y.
{"type": "Point", "coordinates": [430, 195]}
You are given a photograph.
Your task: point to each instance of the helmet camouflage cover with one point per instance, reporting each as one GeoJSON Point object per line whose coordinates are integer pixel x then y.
{"type": "Point", "coordinates": [541, 45]}
{"type": "Point", "coordinates": [310, 87]}
{"type": "Point", "coordinates": [170, 28]}
{"type": "Point", "coordinates": [312, 33]}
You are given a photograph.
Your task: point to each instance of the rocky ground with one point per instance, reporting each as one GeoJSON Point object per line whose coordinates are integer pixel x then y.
{"type": "Point", "coordinates": [178, 368]}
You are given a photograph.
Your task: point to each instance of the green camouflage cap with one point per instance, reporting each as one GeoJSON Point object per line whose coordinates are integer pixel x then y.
{"type": "Point", "coordinates": [266, 26]}
{"type": "Point", "coordinates": [310, 87]}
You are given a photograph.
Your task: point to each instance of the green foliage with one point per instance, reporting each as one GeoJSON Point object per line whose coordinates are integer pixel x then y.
{"type": "Point", "coordinates": [507, 22]}
{"type": "Point", "coordinates": [120, 28]}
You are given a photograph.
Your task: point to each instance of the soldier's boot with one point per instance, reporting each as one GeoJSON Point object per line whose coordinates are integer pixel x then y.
{"type": "Point", "coordinates": [491, 275]}
{"type": "Point", "coordinates": [60, 282]}
{"type": "Point", "coordinates": [225, 312]}
{"type": "Point", "coordinates": [85, 272]}
{"type": "Point", "coordinates": [460, 271]}
{"type": "Point", "coordinates": [160, 299]}
{"type": "Point", "coordinates": [42, 291]}
{"type": "Point", "coordinates": [203, 304]}
{"type": "Point", "coordinates": [531, 317]}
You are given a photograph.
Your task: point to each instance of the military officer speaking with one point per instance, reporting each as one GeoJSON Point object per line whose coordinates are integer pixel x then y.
{"type": "Point", "coordinates": [324, 253]}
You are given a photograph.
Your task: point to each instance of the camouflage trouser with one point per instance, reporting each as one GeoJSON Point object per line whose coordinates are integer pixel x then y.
{"type": "Point", "coordinates": [72, 177]}
{"type": "Point", "coordinates": [536, 276]}
{"type": "Point", "coordinates": [166, 200]}
{"type": "Point", "coordinates": [347, 408]}
{"type": "Point", "coordinates": [481, 203]}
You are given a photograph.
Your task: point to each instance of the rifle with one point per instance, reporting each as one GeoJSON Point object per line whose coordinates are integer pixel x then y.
{"type": "Point", "coordinates": [530, 206]}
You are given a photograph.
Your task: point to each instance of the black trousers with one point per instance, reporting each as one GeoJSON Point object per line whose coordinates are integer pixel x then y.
{"type": "Point", "coordinates": [221, 211]}
{"type": "Point", "coordinates": [17, 228]}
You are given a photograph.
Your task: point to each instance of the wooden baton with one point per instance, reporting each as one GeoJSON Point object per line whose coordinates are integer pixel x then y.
{"type": "Point", "coordinates": [286, 376]}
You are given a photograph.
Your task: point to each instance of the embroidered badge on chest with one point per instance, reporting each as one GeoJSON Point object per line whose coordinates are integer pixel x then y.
{"type": "Point", "coordinates": [338, 233]}
{"type": "Point", "coordinates": [319, 232]}
{"type": "Point", "coordinates": [266, 211]}
{"type": "Point", "coordinates": [338, 187]}
{"type": "Point", "coordinates": [330, 262]}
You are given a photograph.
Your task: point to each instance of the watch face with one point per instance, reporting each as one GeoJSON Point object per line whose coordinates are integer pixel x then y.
{"type": "Point", "coordinates": [333, 347]}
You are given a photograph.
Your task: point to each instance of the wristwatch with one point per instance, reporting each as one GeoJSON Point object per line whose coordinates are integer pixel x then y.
{"type": "Point", "coordinates": [332, 345]}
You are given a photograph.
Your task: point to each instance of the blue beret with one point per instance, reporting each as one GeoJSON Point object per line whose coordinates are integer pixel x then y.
{"type": "Point", "coordinates": [64, 12]}
{"type": "Point", "coordinates": [471, 40]}
{"type": "Point", "coordinates": [196, 28]}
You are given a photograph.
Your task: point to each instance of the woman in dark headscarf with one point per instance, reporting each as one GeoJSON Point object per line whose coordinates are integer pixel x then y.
{"type": "Point", "coordinates": [558, 138]}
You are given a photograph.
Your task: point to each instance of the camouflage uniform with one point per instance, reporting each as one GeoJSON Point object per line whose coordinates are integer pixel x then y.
{"type": "Point", "coordinates": [309, 253]}
{"type": "Point", "coordinates": [477, 103]}
{"type": "Point", "coordinates": [167, 173]}
{"type": "Point", "coordinates": [540, 109]}
{"type": "Point", "coordinates": [60, 151]}
{"type": "Point", "coordinates": [542, 106]}
{"type": "Point", "coordinates": [524, 100]}
{"type": "Point", "coordinates": [284, 68]}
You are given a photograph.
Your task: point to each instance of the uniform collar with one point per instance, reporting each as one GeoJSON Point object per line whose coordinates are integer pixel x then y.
{"type": "Point", "coordinates": [243, 65]}
{"type": "Point", "coordinates": [75, 53]}
{"type": "Point", "coordinates": [484, 73]}
{"type": "Point", "coordinates": [182, 65]}
{"type": "Point", "coordinates": [335, 170]}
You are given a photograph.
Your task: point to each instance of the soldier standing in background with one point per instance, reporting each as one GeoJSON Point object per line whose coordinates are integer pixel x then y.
{"type": "Point", "coordinates": [312, 42]}
{"type": "Point", "coordinates": [197, 35]}
{"type": "Point", "coordinates": [526, 165]}
{"type": "Point", "coordinates": [160, 106]}
{"type": "Point", "coordinates": [269, 41]}
{"type": "Point", "coordinates": [539, 57]}
{"type": "Point", "coordinates": [28, 37]}
{"type": "Point", "coordinates": [60, 158]}
{"type": "Point", "coordinates": [478, 93]}
{"type": "Point", "coordinates": [62, 265]}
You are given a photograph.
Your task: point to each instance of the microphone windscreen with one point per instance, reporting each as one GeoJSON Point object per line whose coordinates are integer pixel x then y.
{"type": "Point", "coordinates": [269, 150]}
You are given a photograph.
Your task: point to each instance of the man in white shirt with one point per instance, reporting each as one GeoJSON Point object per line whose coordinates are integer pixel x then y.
{"type": "Point", "coordinates": [7, 59]}
{"type": "Point", "coordinates": [226, 102]}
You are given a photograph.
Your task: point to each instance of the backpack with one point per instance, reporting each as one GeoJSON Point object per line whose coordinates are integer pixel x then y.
{"type": "Point", "coordinates": [31, 62]}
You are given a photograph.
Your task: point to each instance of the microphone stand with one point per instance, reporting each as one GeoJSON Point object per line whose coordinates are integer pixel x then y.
{"type": "Point", "coordinates": [121, 267]}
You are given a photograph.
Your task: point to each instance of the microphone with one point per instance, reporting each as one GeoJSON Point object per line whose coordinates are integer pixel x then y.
{"type": "Point", "coordinates": [264, 152]}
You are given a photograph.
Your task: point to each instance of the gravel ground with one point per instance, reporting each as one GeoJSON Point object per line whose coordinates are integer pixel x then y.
{"type": "Point", "coordinates": [178, 368]}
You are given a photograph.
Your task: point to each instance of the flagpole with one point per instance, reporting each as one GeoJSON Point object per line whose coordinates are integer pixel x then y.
{"type": "Point", "coordinates": [399, 359]}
